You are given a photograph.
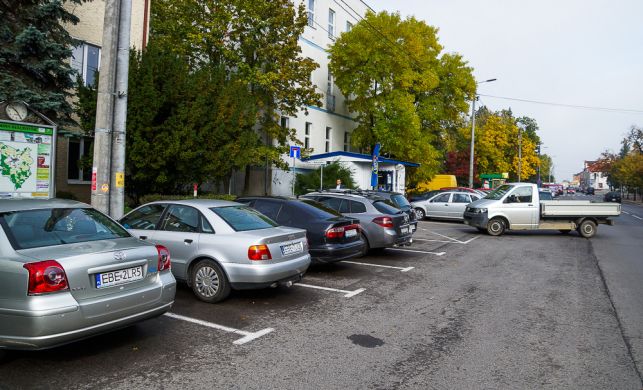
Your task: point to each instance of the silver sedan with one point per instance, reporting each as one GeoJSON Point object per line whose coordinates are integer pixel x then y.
{"type": "Point", "coordinates": [446, 205]}
{"type": "Point", "coordinates": [68, 272]}
{"type": "Point", "coordinates": [218, 245]}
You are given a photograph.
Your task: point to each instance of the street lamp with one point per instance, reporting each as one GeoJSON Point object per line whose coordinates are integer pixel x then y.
{"type": "Point", "coordinates": [473, 131]}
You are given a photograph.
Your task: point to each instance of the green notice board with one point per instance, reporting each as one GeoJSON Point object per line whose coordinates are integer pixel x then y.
{"type": "Point", "coordinates": [26, 160]}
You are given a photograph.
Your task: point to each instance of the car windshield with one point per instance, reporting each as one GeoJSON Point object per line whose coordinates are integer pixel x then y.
{"type": "Point", "coordinates": [499, 192]}
{"type": "Point", "coordinates": [243, 218]}
{"type": "Point", "coordinates": [318, 210]}
{"type": "Point", "coordinates": [48, 227]}
{"type": "Point", "coordinates": [386, 207]}
{"type": "Point", "coordinates": [400, 200]}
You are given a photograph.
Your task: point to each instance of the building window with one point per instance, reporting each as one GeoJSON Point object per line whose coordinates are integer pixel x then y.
{"type": "Point", "coordinates": [79, 151]}
{"type": "Point", "coordinates": [331, 24]}
{"type": "Point", "coordinates": [330, 92]}
{"type": "Point", "coordinates": [347, 141]}
{"type": "Point", "coordinates": [311, 12]}
{"type": "Point", "coordinates": [349, 26]}
{"type": "Point", "coordinates": [85, 60]}
{"type": "Point", "coordinates": [307, 135]}
{"type": "Point", "coordinates": [285, 122]}
{"type": "Point", "coordinates": [328, 130]}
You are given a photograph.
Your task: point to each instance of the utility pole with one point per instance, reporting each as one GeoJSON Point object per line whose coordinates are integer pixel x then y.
{"type": "Point", "coordinates": [519, 153]}
{"type": "Point", "coordinates": [117, 192]}
{"type": "Point", "coordinates": [101, 177]}
{"type": "Point", "coordinates": [473, 139]}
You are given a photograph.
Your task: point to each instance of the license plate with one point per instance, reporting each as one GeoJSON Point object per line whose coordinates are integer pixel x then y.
{"type": "Point", "coordinates": [122, 276]}
{"type": "Point", "coordinates": [405, 230]}
{"type": "Point", "coordinates": [293, 248]}
{"type": "Point", "coordinates": [413, 227]}
{"type": "Point", "coordinates": [350, 233]}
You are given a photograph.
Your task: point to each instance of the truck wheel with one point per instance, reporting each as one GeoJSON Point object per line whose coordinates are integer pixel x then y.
{"type": "Point", "coordinates": [587, 228]}
{"type": "Point", "coordinates": [419, 214]}
{"type": "Point", "coordinates": [495, 227]}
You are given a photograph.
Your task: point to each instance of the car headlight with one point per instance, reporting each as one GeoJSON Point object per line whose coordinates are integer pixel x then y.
{"type": "Point", "coordinates": [476, 211]}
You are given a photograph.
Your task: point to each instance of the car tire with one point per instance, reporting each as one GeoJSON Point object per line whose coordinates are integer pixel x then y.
{"type": "Point", "coordinates": [209, 282]}
{"type": "Point", "coordinates": [587, 228]}
{"type": "Point", "coordinates": [367, 247]}
{"type": "Point", "coordinates": [495, 227]}
{"type": "Point", "coordinates": [419, 214]}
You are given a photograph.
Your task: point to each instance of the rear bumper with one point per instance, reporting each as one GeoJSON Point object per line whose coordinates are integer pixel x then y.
{"type": "Point", "coordinates": [68, 321]}
{"type": "Point", "coordinates": [389, 237]}
{"type": "Point", "coordinates": [251, 276]}
{"type": "Point", "coordinates": [335, 252]}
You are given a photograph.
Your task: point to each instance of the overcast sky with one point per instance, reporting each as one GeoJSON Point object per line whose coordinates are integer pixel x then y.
{"type": "Point", "coordinates": [576, 52]}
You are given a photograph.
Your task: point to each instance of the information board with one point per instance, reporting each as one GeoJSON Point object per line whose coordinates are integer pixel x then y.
{"type": "Point", "coordinates": [26, 160]}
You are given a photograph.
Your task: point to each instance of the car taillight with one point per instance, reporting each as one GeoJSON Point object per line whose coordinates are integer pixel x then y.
{"type": "Point", "coordinates": [335, 232]}
{"type": "Point", "coordinates": [386, 222]}
{"type": "Point", "coordinates": [259, 252]}
{"type": "Point", "coordinates": [46, 277]}
{"type": "Point", "coordinates": [164, 258]}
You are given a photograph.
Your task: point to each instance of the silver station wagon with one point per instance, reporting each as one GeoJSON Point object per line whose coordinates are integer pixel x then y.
{"type": "Point", "coordinates": [219, 245]}
{"type": "Point", "coordinates": [69, 272]}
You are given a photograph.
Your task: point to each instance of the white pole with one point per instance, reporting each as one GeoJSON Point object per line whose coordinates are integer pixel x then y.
{"type": "Point", "coordinates": [321, 179]}
{"type": "Point", "coordinates": [293, 174]}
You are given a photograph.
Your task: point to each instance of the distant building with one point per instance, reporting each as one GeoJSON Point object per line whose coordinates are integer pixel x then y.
{"type": "Point", "coordinates": [591, 176]}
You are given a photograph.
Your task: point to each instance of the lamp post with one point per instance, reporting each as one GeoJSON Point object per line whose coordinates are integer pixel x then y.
{"type": "Point", "coordinates": [519, 153]}
{"type": "Point", "coordinates": [473, 131]}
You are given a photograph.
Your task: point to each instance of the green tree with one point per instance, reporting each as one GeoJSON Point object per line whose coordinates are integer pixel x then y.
{"type": "Point", "coordinates": [258, 43]}
{"type": "Point", "coordinates": [310, 181]}
{"type": "Point", "coordinates": [34, 55]}
{"type": "Point", "coordinates": [404, 92]}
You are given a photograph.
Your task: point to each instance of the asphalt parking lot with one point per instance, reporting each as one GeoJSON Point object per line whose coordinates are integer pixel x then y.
{"type": "Point", "coordinates": [455, 309]}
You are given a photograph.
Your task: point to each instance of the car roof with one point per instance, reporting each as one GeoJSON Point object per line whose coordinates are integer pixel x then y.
{"type": "Point", "coordinates": [15, 204]}
{"type": "Point", "coordinates": [273, 197]}
{"type": "Point", "coordinates": [199, 202]}
{"type": "Point", "coordinates": [338, 194]}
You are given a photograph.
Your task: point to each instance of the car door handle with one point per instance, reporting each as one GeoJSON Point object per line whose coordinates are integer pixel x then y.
{"type": "Point", "coordinates": [187, 241]}
{"type": "Point", "coordinates": [531, 205]}
{"type": "Point", "coordinates": [143, 237]}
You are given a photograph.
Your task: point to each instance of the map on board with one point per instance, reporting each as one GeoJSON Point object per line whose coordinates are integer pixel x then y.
{"type": "Point", "coordinates": [16, 164]}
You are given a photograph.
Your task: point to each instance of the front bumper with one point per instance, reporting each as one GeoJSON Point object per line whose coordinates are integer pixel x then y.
{"type": "Point", "coordinates": [478, 220]}
{"type": "Point", "coordinates": [68, 320]}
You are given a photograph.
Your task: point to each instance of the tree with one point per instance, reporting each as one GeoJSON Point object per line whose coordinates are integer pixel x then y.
{"type": "Point", "coordinates": [255, 41]}
{"type": "Point", "coordinates": [34, 55]}
{"type": "Point", "coordinates": [310, 181]}
{"type": "Point", "coordinates": [404, 92]}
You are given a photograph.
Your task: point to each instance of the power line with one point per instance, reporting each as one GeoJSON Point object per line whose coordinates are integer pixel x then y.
{"type": "Point", "coordinates": [593, 108]}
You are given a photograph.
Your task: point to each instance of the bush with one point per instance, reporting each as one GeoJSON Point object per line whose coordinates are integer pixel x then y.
{"type": "Point", "coordinates": [155, 197]}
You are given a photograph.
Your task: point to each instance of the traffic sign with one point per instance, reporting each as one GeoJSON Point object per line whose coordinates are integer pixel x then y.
{"type": "Point", "coordinates": [295, 152]}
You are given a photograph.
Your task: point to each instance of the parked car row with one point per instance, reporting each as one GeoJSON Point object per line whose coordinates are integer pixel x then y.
{"type": "Point", "coordinates": [68, 271]}
{"type": "Point", "coordinates": [445, 204]}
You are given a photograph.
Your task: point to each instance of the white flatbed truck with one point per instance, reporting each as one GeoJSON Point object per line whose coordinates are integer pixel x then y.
{"type": "Point", "coordinates": [517, 206]}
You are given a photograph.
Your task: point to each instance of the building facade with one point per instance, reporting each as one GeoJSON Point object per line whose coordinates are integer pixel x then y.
{"type": "Point", "coordinates": [591, 176]}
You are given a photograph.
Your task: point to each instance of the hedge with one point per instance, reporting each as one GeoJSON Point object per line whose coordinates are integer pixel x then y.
{"type": "Point", "coordinates": [155, 197]}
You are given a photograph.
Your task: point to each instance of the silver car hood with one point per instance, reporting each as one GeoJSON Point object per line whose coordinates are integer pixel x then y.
{"type": "Point", "coordinates": [482, 203]}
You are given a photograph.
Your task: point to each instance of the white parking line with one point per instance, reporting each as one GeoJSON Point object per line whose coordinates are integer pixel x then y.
{"type": "Point", "coordinates": [625, 212]}
{"type": "Point", "coordinates": [402, 269]}
{"type": "Point", "coordinates": [247, 336]}
{"type": "Point", "coordinates": [636, 216]}
{"type": "Point", "coordinates": [347, 294]}
{"type": "Point", "coordinates": [447, 242]}
{"type": "Point", "coordinates": [416, 251]}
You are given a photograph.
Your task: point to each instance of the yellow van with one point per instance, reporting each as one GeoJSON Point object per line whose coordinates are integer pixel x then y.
{"type": "Point", "coordinates": [438, 181]}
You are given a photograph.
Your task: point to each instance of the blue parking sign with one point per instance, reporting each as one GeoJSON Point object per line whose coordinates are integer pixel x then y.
{"type": "Point", "coordinates": [295, 151]}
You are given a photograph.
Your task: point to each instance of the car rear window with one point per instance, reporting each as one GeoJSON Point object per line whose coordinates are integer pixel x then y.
{"type": "Point", "coordinates": [400, 200]}
{"type": "Point", "coordinates": [386, 207]}
{"type": "Point", "coordinates": [318, 210]}
{"type": "Point", "coordinates": [243, 218]}
{"type": "Point", "coordinates": [55, 226]}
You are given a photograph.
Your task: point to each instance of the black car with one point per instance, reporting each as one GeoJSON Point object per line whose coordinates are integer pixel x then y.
{"type": "Point", "coordinates": [397, 199]}
{"type": "Point", "coordinates": [331, 236]}
{"type": "Point", "coordinates": [612, 196]}
{"type": "Point", "coordinates": [590, 191]}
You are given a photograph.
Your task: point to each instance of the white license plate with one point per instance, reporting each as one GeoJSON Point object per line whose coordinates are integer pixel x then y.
{"type": "Point", "coordinates": [404, 230]}
{"type": "Point", "coordinates": [350, 233]}
{"type": "Point", "coordinates": [413, 227]}
{"type": "Point", "coordinates": [122, 276]}
{"type": "Point", "coordinates": [293, 248]}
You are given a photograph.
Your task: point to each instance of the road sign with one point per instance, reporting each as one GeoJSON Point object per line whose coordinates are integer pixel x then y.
{"type": "Point", "coordinates": [295, 152]}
